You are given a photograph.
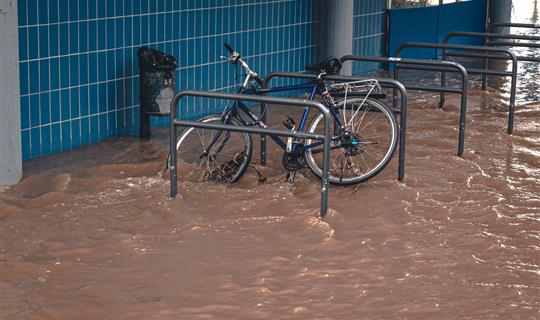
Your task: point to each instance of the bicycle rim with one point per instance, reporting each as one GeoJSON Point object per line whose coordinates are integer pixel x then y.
{"type": "Point", "coordinates": [373, 139]}
{"type": "Point", "coordinates": [214, 155]}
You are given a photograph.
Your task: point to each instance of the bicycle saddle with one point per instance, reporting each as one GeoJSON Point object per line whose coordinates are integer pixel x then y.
{"type": "Point", "coordinates": [330, 66]}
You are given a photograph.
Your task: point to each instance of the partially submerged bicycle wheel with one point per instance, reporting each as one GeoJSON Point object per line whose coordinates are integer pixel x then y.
{"type": "Point", "coordinates": [215, 155]}
{"type": "Point", "coordinates": [365, 144]}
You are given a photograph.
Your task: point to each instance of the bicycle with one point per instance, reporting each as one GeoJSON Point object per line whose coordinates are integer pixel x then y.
{"type": "Point", "coordinates": [365, 131]}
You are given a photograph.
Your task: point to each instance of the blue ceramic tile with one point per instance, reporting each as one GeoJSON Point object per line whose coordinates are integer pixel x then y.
{"type": "Point", "coordinates": [43, 12]}
{"type": "Point", "coordinates": [55, 106]}
{"type": "Point", "coordinates": [102, 9]}
{"type": "Point", "coordinates": [21, 13]}
{"type": "Point", "coordinates": [102, 97]}
{"type": "Point", "coordinates": [45, 140]}
{"type": "Point", "coordinates": [103, 126]}
{"type": "Point", "coordinates": [73, 37]}
{"type": "Point", "coordinates": [92, 36]}
{"type": "Point", "coordinates": [33, 43]}
{"type": "Point", "coordinates": [92, 67]}
{"type": "Point", "coordinates": [110, 33]}
{"type": "Point", "coordinates": [93, 98]}
{"type": "Point", "coordinates": [128, 8]}
{"type": "Point", "coordinates": [32, 9]}
{"type": "Point", "coordinates": [83, 100]}
{"type": "Point", "coordinates": [85, 130]}
{"type": "Point", "coordinates": [101, 34]}
{"type": "Point", "coordinates": [119, 64]}
{"type": "Point", "coordinates": [102, 66]}
{"type": "Point", "coordinates": [23, 44]}
{"type": "Point", "coordinates": [53, 40]}
{"type": "Point", "coordinates": [44, 106]}
{"type": "Point", "coordinates": [160, 28]}
{"type": "Point", "coordinates": [44, 75]}
{"type": "Point", "coordinates": [73, 10]}
{"type": "Point", "coordinates": [23, 78]}
{"type": "Point", "coordinates": [110, 8]}
{"type": "Point", "coordinates": [111, 124]}
{"type": "Point", "coordinates": [54, 73]}
{"type": "Point", "coordinates": [119, 32]}
{"type": "Point", "coordinates": [93, 8]}
{"type": "Point", "coordinates": [25, 112]}
{"type": "Point", "coordinates": [94, 129]}
{"type": "Point", "coordinates": [63, 15]}
{"type": "Point", "coordinates": [73, 70]}
{"type": "Point", "coordinates": [83, 37]}
{"type": "Point", "coordinates": [83, 9]}
{"type": "Point", "coordinates": [66, 136]}
{"type": "Point", "coordinates": [152, 28]}
{"type": "Point", "coordinates": [119, 8]}
{"type": "Point", "coordinates": [111, 65]}
{"type": "Point", "coordinates": [120, 94]}
{"type": "Point", "coordinates": [75, 133]}
{"type": "Point", "coordinates": [128, 34]}
{"type": "Point", "coordinates": [120, 125]}
{"type": "Point", "coordinates": [64, 39]}
{"type": "Point", "coordinates": [64, 72]}
{"type": "Point", "coordinates": [25, 144]}
{"type": "Point", "coordinates": [74, 102]}
{"type": "Point", "coordinates": [83, 69]}
{"type": "Point", "coordinates": [56, 135]}
{"type": "Point", "coordinates": [65, 106]}
{"type": "Point", "coordinates": [35, 142]}
{"type": "Point", "coordinates": [111, 95]}
{"type": "Point", "coordinates": [34, 76]}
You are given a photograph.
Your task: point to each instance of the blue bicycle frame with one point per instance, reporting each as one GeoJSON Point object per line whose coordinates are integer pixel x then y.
{"type": "Point", "coordinates": [315, 89]}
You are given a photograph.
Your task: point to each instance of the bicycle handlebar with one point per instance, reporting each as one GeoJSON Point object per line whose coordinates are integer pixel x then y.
{"type": "Point", "coordinates": [228, 47]}
{"type": "Point", "coordinates": [235, 58]}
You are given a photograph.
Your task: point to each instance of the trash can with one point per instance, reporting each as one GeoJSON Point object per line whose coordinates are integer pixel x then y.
{"type": "Point", "coordinates": [157, 80]}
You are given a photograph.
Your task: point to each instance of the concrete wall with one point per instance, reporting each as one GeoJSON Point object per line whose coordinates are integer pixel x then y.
{"type": "Point", "coordinates": [10, 122]}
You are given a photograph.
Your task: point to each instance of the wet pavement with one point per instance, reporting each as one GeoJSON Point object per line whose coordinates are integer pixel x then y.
{"type": "Point", "coordinates": [93, 234]}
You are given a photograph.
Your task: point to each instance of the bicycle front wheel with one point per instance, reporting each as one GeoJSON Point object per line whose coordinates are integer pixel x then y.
{"type": "Point", "coordinates": [215, 155]}
{"type": "Point", "coordinates": [362, 148]}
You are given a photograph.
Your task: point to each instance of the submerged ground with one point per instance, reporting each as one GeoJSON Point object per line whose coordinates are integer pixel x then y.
{"type": "Point", "coordinates": [93, 233]}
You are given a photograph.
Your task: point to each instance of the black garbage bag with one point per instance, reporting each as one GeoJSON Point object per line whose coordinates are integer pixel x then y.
{"type": "Point", "coordinates": [157, 80]}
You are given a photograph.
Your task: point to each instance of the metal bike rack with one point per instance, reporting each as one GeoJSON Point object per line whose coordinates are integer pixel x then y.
{"type": "Point", "coordinates": [513, 25]}
{"type": "Point", "coordinates": [326, 137]}
{"type": "Point", "coordinates": [385, 82]}
{"type": "Point", "coordinates": [480, 52]}
{"type": "Point", "coordinates": [487, 36]}
{"type": "Point", "coordinates": [428, 65]}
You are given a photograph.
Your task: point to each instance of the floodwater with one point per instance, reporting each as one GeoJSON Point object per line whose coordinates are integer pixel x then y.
{"type": "Point", "coordinates": [93, 234]}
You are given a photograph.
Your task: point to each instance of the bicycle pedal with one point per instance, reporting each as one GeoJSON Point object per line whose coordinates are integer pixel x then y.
{"type": "Point", "coordinates": [289, 123]}
{"type": "Point", "coordinates": [290, 176]}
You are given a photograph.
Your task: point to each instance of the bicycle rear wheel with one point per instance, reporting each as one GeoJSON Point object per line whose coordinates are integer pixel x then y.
{"type": "Point", "coordinates": [366, 148]}
{"type": "Point", "coordinates": [215, 155]}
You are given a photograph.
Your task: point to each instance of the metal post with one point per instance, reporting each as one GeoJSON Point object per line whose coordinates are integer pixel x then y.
{"type": "Point", "coordinates": [172, 148]}
{"type": "Point", "coordinates": [442, 99]}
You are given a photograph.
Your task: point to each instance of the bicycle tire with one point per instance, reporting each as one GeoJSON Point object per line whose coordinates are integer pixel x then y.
{"type": "Point", "coordinates": [387, 147]}
{"type": "Point", "coordinates": [191, 142]}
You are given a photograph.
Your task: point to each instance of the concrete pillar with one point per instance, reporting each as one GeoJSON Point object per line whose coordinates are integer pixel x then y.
{"type": "Point", "coordinates": [10, 117]}
{"type": "Point", "coordinates": [500, 11]}
{"type": "Point", "coordinates": [336, 30]}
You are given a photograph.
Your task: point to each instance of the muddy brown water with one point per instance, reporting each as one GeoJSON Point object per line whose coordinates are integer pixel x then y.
{"type": "Point", "coordinates": [93, 234]}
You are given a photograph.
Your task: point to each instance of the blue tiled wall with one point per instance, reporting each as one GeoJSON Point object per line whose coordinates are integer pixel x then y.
{"type": "Point", "coordinates": [78, 64]}
{"type": "Point", "coordinates": [369, 24]}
